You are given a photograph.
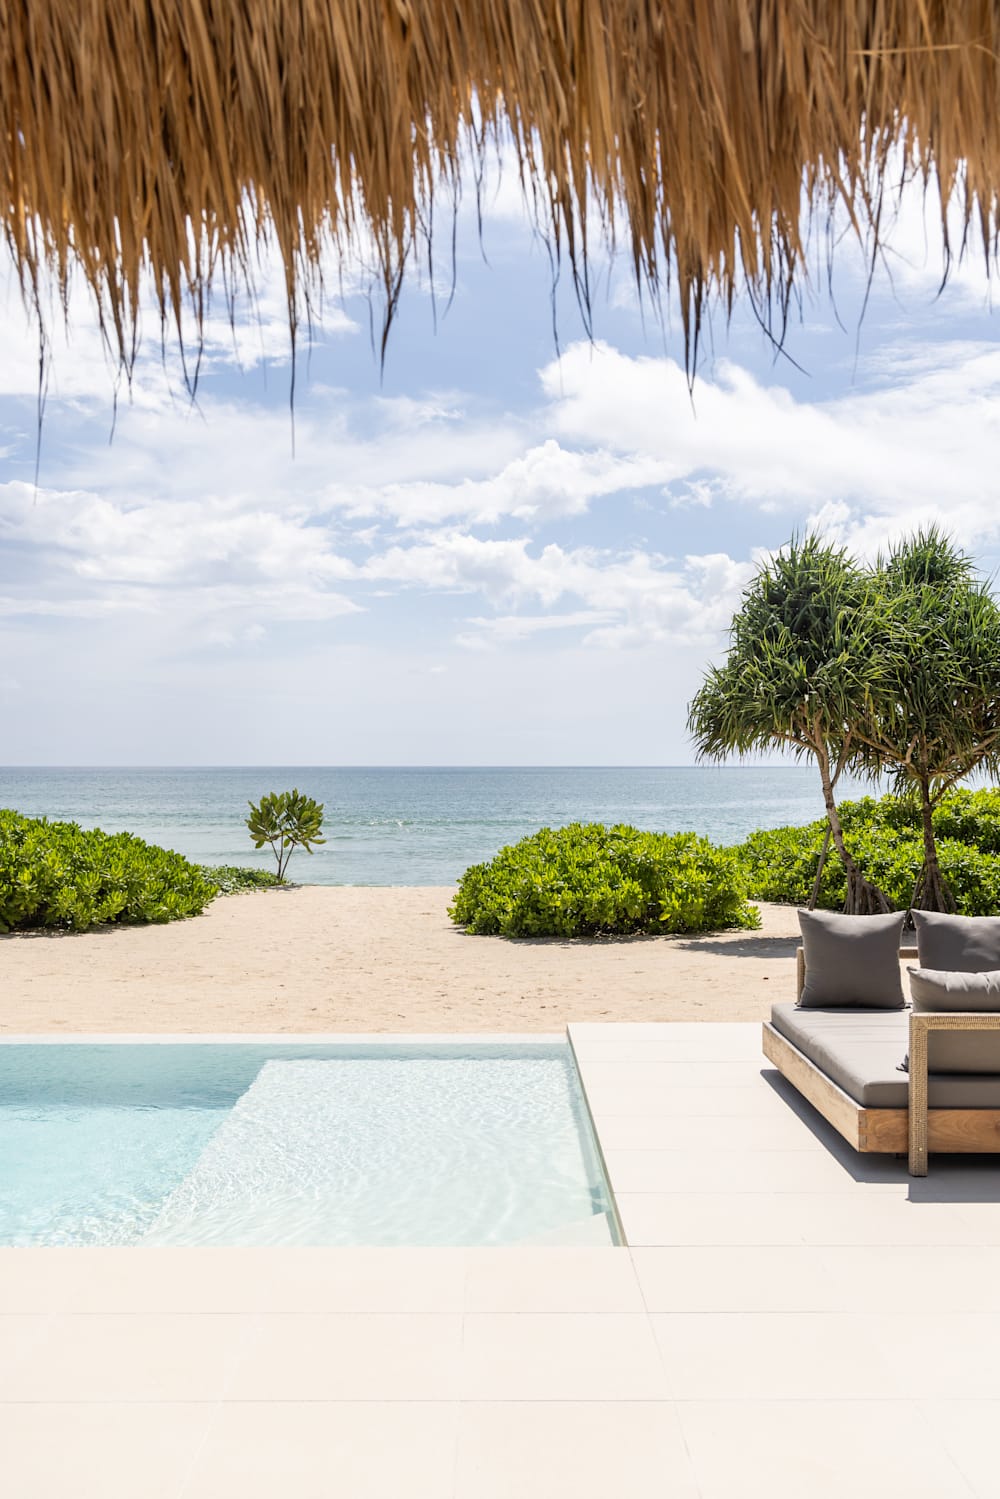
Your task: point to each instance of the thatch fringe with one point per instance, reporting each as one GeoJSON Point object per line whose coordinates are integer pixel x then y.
{"type": "Point", "coordinates": [174, 135]}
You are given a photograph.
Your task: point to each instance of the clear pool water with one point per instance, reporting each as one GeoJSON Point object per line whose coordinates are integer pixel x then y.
{"type": "Point", "coordinates": [253, 1143]}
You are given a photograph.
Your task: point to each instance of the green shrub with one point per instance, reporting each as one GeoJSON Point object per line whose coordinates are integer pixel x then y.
{"type": "Point", "coordinates": [229, 879]}
{"type": "Point", "coordinates": [885, 838]}
{"type": "Point", "coordinates": [587, 880]}
{"type": "Point", "coordinates": [57, 874]}
{"type": "Point", "coordinates": [781, 863]}
{"type": "Point", "coordinates": [972, 817]}
{"type": "Point", "coordinates": [973, 877]}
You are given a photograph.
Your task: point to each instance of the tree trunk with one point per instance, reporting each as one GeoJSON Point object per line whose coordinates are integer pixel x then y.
{"type": "Point", "coordinates": [932, 892]}
{"type": "Point", "coordinates": [863, 898]}
{"type": "Point", "coordinates": [819, 869]}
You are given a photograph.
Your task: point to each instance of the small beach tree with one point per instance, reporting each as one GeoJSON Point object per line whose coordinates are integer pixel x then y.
{"type": "Point", "coordinates": [806, 647]}
{"type": "Point", "coordinates": [286, 820]}
{"type": "Point", "coordinates": [933, 710]}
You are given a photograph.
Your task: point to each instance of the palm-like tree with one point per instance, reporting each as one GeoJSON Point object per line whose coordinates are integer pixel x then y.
{"type": "Point", "coordinates": [806, 648]}
{"type": "Point", "coordinates": [933, 713]}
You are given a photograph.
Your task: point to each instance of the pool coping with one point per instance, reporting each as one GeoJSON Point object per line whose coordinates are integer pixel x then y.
{"type": "Point", "coordinates": [293, 1038]}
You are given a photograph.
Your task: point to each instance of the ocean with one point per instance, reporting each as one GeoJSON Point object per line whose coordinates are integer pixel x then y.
{"type": "Point", "coordinates": [411, 826]}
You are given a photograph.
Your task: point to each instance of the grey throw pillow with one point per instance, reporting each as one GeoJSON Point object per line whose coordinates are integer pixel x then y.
{"type": "Point", "coordinates": [931, 990]}
{"type": "Point", "coordinates": [957, 944]}
{"type": "Point", "coordinates": [957, 1051]}
{"type": "Point", "coordinates": [851, 961]}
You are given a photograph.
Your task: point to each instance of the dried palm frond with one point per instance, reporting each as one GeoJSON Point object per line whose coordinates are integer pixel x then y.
{"type": "Point", "coordinates": [172, 137]}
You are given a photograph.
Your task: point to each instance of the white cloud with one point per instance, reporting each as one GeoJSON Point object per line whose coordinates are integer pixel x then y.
{"type": "Point", "coordinates": [185, 561]}
{"type": "Point", "coordinates": [71, 607]}
{"type": "Point", "coordinates": [81, 365]}
{"type": "Point", "coordinates": [914, 257]}
{"type": "Point", "coordinates": [627, 599]}
{"type": "Point", "coordinates": [923, 443]}
{"type": "Point", "coordinates": [503, 629]}
{"type": "Point", "coordinates": [546, 483]}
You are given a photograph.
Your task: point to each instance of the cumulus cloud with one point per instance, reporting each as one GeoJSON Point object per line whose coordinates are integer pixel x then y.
{"type": "Point", "coordinates": [84, 556]}
{"type": "Point", "coordinates": [920, 441]}
{"type": "Point", "coordinates": [546, 483]}
{"type": "Point", "coordinates": [626, 598]}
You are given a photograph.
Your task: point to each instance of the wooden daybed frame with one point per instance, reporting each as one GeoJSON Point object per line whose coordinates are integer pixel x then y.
{"type": "Point", "coordinates": [912, 1131]}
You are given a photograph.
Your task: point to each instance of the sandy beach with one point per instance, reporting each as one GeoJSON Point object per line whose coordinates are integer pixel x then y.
{"type": "Point", "coordinates": [321, 958]}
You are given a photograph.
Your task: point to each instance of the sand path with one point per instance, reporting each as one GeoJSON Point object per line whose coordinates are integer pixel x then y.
{"type": "Point", "coordinates": [330, 959]}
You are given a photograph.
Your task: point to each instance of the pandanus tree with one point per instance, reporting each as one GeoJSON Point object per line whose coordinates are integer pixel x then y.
{"type": "Point", "coordinates": [806, 647]}
{"type": "Point", "coordinates": [933, 710]}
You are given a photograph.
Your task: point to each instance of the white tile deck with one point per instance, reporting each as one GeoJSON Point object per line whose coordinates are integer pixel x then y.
{"type": "Point", "coordinates": [789, 1318]}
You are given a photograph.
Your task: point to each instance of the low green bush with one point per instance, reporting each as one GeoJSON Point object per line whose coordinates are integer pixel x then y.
{"type": "Point", "coordinates": [590, 880]}
{"type": "Point", "coordinates": [971, 817]}
{"type": "Point", "coordinates": [229, 879]}
{"type": "Point", "coordinates": [57, 874]}
{"type": "Point", "coordinates": [781, 864]}
{"type": "Point", "coordinates": [884, 837]}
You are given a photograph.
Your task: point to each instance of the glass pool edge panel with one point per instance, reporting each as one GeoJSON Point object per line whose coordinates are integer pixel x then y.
{"type": "Point", "coordinates": [595, 1155]}
{"type": "Point", "coordinates": [591, 1148]}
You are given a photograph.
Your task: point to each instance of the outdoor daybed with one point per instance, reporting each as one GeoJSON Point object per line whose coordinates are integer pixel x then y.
{"type": "Point", "coordinates": [852, 1047]}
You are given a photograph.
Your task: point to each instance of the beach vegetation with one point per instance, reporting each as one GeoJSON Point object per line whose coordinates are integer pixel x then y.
{"type": "Point", "coordinates": [589, 880]}
{"type": "Point", "coordinates": [286, 820]}
{"type": "Point", "coordinates": [230, 879]}
{"type": "Point", "coordinates": [57, 874]}
{"type": "Point", "coordinates": [887, 836]}
{"type": "Point", "coordinates": [805, 646]}
{"type": "Point", "coordinates": [888, 671]}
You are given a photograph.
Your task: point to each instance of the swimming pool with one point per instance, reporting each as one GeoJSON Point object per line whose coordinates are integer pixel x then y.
{"type": "Point", "coordinates": [296, 1142]}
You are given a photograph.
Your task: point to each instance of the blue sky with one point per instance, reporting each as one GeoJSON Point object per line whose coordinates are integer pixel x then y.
{"type": "Point", "coordinates": [500, 550]}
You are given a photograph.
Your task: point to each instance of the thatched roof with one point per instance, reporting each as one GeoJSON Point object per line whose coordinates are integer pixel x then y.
{"type": "Point", "coordinates": [171, 135]}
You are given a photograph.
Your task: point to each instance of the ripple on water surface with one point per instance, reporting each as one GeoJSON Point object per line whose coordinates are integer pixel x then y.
{"type": "Point", "coordinates": [397, 1148]}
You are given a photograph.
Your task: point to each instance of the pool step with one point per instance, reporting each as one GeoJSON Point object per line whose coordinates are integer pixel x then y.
{"type": "Point", "coordinates": [256, 1180]}
{"type": "Point", "coordinates": [329, 1152]}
